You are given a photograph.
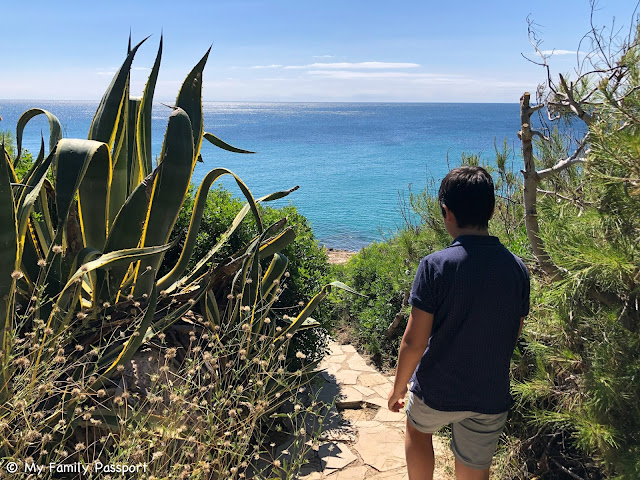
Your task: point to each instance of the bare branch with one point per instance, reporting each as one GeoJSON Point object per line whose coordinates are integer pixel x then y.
{"type": "Point", "coordinates": [563, 164]}
{"type": "Point", "coordinates": [573, 104]}
{"type": "Point", "coordinates": [539, 134]}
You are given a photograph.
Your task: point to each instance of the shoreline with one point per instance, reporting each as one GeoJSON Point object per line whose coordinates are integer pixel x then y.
{"type": "Point", "coordinates": [338, 256]}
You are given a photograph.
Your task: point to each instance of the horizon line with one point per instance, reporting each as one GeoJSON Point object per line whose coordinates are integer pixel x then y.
{"type": "Point", "coordinates": [272, 101]}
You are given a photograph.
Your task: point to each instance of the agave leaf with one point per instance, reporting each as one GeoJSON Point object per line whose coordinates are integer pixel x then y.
{"type": "Point", "coordinates": [94, 194]}
{"type": "Point", "coordinates": [307, 324]}
{"type": "Point", "coordinates": [73, 158]}
{"type": "Point", "coordinates": [36, 164]}
{"type": "Point", "coordinates": [143, 125]}
{"type": "Point", "coordinates": [270, 247]}
{"type": "Point", "coordinates": [210, 307]}
{"type": "Point", "coordinates": [135, 171]}
{"type": "Point", "coordinates": [26, 202]}
{"type": "Point", "coordinates": [277, 243]}
{"type": "Point", "coordinates": [105, 260]}
{"type": "Point", "coordinates": [312, 305]}
{"type": "Point", "coordinates": [196, 218]}
{"type": "Point", "coordinates": [224, 145]}
{"type": "Point", "coordinates": [190, 100]}
{"type": "Point", "coordinates": [44, 226]}
{"type": "Point", "coordinates": [169, 188]}
{"type": "Point", "coordinates": [125, 232]}
{"type": "Point", "coordinates": [105, 122]}
{"type": "Point", "coordinates": [69, 297]}
{"type": "Point", "coordinates": [55, 129]}
{"type": "Point", "coordinates": [118, 183]}
{"type": "Point", "coordinates": [273, 274]}
{"type": "Point", "coordinates": [8, 260]}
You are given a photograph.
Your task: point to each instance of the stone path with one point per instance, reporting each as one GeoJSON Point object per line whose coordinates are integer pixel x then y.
{"type": "Point", "coordinates": [360, 437]}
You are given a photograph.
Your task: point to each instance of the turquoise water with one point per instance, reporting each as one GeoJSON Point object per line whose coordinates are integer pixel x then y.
{"type": "Point", "coordinates": [352, 161]}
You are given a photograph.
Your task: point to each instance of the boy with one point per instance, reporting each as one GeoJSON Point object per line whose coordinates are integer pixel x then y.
{"type": "Point", "coordinates": [468, 306]}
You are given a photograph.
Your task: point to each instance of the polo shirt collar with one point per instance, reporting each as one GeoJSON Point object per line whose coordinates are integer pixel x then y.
{"type": "Point", "coordinates": [475, 240]}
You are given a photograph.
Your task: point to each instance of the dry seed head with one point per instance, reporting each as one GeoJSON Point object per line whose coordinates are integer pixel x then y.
{"type": "Point", "coordinates": [42, 262]}
{"type": "Point", "coordinates": [56, 249]}
{"type": "Point", "coordinates": [17, 275]}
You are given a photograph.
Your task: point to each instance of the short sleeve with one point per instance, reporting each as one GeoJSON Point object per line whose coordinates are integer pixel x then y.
{"type": "Point", "coordinates": [526, 292]}
{"type": "Point", "coordinates": [424, 290]}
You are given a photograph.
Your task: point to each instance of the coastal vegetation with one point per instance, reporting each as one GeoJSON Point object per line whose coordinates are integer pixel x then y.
{"type": "Point", "coordinates": [574, 217]}
{"type": "Point", "coordinates": [117, 347]}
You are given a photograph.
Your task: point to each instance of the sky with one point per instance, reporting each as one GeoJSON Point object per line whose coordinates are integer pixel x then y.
{"type": "Point", "coordinates": [302, 50]}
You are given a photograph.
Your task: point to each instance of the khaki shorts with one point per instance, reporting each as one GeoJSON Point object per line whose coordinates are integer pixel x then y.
{"type": "Point", "coordinates": [474, 436]}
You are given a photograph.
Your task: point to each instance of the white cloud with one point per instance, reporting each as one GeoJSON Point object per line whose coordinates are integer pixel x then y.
{"type": "Point", "coordinates": [358, 65]}
{"type": "Point", "coordinates": [106, 73]}
{"type": "Point", "coordinates": [560, 52]}
{"type": "Point", "coordinates": [323, 56]}
{"type": "Point", "coordinates": [420, 77]}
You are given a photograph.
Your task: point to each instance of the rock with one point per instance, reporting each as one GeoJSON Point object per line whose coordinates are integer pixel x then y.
{"type": "Point", "coordinates": [371, 380]}
{"type": "Point", "coordinates": [386, 415]}
{"type": "Point", "coordinates": [347, 377]}
{"type": "Point", "coordinates": [349, 397]}
{"type": "Point", "coordinates": [383, 390]}
{"type": "Point", "coordinates": [334, 456]}
{"type": "Point", "coordinates": [356, 362]}
{"type": "Point", "coordinates": [381, 447]}
{"type": "Point", "coordinates": [365, 391]}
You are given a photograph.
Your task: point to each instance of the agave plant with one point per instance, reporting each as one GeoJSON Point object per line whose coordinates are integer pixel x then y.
{"type": "Point", "coordinates": [83, 233]}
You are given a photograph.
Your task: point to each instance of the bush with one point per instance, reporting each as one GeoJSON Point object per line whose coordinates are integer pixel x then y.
{"type": "Point", "coordinates": [308, 267]}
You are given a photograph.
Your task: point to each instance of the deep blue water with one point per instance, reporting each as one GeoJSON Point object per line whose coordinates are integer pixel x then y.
{"type": "Point", "coordinates": [351, 160]}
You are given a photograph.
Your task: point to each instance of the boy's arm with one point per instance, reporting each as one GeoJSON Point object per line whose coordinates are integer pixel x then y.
{"type": "Point", "coordinates": [414, 343]}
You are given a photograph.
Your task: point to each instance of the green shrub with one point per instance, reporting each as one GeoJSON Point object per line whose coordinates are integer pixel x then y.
{"type": "Point", "coordinates": [308, 268]}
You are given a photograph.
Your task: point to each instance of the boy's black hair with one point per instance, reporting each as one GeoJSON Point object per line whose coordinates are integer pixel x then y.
{"type": "Point", "coordinates": [468, 193]}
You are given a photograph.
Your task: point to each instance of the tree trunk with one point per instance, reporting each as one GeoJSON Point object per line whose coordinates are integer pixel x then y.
{"type": "Point", "coordinates": [531, 181]}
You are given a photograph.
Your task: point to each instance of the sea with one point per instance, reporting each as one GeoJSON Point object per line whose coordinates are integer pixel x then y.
{"type": "Point", "coordinates": [355, 163]}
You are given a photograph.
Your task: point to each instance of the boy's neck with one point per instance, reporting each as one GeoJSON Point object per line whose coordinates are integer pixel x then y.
{"type": "Point", "coordinates": [456, 232]}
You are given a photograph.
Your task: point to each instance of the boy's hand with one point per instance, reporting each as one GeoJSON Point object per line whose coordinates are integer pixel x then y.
{"type": "Point", "coordinates": [396, 399]}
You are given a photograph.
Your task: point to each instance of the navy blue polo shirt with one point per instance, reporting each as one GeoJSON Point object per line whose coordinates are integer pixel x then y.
{"type": "Point", "coordinates": [477, 291]}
